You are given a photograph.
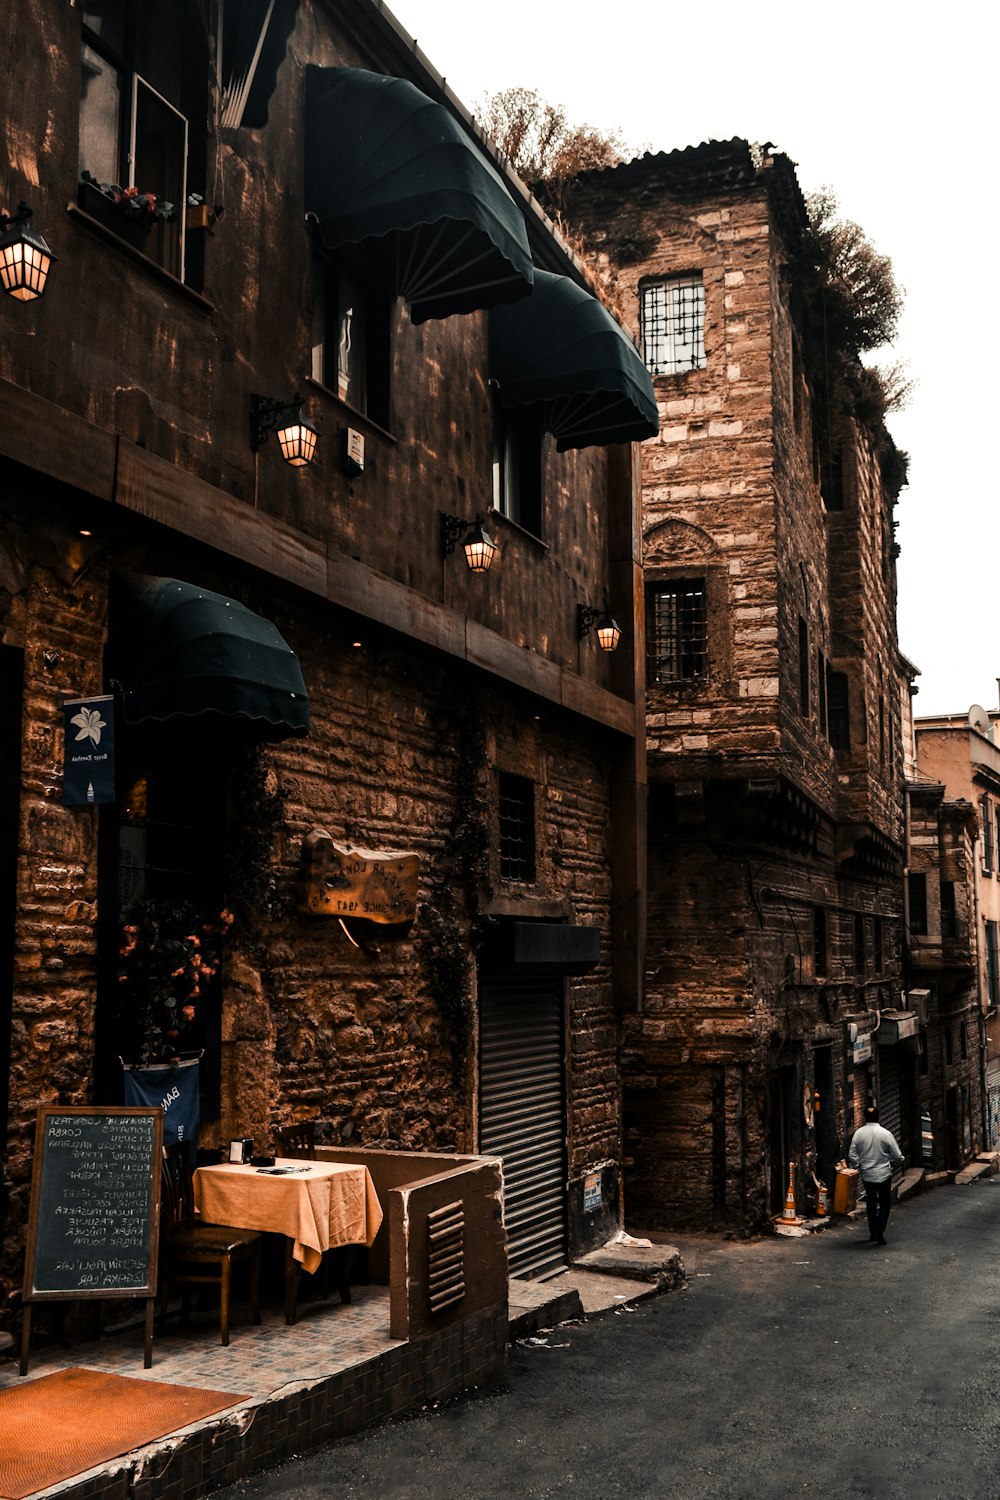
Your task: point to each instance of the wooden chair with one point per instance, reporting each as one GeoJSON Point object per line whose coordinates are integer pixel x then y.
{"type": "Point", "coordinates": [193, 1253]}
{"type": "Point", "coordinates": [298, 1141]}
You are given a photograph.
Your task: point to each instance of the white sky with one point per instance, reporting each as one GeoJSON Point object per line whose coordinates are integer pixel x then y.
{"type": "Point", "coordinates": [893, 105]}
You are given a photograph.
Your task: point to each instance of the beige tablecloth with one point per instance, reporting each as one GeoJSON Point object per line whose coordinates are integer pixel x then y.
{"type": "Point", "coordinates": [328, 1204]}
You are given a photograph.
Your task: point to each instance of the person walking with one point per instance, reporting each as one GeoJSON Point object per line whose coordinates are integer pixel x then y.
{"type": "Point", "coordinates": [874, 1152]}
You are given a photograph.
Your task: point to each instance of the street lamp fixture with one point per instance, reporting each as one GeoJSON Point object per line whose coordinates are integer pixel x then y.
{"type": "Point", "coordinates": [607, 630]}
{"type": "Point", "coordinates": [479, 547]}
{"type": "Point", "coordinates": [25, 258]}
{"type": "Point", "coordinates": [295, 433]}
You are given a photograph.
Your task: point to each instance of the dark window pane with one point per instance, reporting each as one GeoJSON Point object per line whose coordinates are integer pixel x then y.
{"type": "Point", "coordinates": [917, 887]}
{"type": "Point", "coordinates": [838, 715]}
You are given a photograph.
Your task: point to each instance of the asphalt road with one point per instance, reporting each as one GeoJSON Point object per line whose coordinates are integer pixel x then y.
{"type": "Point", "coordinates": [822, 1366]}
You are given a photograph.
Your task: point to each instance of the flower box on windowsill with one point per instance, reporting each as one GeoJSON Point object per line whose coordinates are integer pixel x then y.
{"type": "Point", "coordinates": [134, 230]}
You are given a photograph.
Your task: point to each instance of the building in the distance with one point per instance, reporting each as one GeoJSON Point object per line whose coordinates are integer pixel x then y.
{"type": "Point", "coordinates": [772, 715]}
{"type": "Point", "coordinates": [953, 921]}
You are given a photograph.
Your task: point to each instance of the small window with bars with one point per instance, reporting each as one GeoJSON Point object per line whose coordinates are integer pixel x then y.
{"type": "Point", "coordinates": [672, 318]}
{"type": "Point", "coordinates": [676, 631]}
{"type": "Point", "coordinates": [516, 819]}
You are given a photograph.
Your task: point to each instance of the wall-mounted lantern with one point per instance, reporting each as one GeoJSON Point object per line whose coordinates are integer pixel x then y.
{"type": "Point", "coordinates": [295, 433]}
{"type": "Point", "coordinates": [479, 547]}
{"type": "Point", "coordinates": [607, 630]}
{"type": "Point", "coordinates": [25, 258]}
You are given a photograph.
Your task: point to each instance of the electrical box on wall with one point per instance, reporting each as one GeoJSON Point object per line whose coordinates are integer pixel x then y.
{"type": "Point", "coordinates": [352, 450]}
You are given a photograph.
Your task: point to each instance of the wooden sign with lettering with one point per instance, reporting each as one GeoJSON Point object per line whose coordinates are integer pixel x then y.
{"type": "Point", "coordinates": [93, 1228]}
{"type": "Point", "coordinates": [361, 884]}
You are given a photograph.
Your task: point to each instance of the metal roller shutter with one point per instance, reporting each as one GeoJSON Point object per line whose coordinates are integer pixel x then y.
{"type": "Point", "coordinates": [889, 1102]}
{"type": "Point", "coordinates": [522, 1113]}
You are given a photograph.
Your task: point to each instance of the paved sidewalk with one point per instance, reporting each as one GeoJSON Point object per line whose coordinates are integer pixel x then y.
{"type": "Point", "coordinates": [274, 1366]}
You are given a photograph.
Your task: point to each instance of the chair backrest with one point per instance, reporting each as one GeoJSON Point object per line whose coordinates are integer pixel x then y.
{"type": "Point", "coordinates": [297, 1140]}
{"type": "Point", "coordinates": [177, 1197]}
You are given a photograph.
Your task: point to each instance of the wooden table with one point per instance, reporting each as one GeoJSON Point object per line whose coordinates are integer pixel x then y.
{"type": "Point", "coordinates": [317, 1205]}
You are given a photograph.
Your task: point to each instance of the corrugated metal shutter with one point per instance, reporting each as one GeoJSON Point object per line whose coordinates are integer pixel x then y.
{"type": "Point", "coordinates": [890, 1110]}
{"type": "Point", "coordinates": [522, 1113]}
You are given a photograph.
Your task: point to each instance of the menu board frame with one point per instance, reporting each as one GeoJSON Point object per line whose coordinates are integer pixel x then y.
{"type": "Point", "coordinates": [110, 1162]}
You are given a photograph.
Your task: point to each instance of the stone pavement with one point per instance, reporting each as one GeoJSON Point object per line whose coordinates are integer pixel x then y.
{"type": "Point", "coordinates": [274, 1370]}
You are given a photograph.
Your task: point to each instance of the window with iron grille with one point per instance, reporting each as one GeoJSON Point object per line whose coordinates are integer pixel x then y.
{"type": "Point", "coordinates": [516, 818]}
{"type": "Point", "coordinates": [672, 317]}
{"type": "Point", "coordinates": [676, 631]}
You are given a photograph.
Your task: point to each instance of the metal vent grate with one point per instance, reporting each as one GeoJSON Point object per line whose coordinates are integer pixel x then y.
{"type": "Point", "coordinates": [445, 1256]}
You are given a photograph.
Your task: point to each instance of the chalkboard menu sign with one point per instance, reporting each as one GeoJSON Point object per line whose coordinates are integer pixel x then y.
{"type": "Point", "coordinates": [95, 1204]}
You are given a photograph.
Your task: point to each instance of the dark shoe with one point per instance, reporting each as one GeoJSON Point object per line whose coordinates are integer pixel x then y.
{"type": "Point", "coordinates": [880, 1240]}
{"type": "Point", "coordinates": [873, 1239]}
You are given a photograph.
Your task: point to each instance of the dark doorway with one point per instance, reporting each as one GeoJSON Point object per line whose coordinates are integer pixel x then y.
{"type": "Point", "coordinates": [782, 1135]}
{"type": "Point", "coordinates": [825, 1116]}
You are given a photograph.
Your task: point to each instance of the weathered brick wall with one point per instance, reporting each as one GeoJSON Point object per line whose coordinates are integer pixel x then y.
{"type": "Point", "coordinates": [363, 1040]}
{"type": "Point", "coordinates": [54, 609]}
{"type": "Point", "coordinates": [863, 612]}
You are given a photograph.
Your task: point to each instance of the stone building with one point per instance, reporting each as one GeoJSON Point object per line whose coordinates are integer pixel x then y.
{"type": "Point", "coordinates": [953, 921]}
{"type": "Point", "coordinates": [394, 799]}
{"type": "Point", "coordinates": [773, 730]}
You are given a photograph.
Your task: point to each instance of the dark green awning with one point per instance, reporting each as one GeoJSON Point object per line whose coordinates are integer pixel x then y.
{"type": "Point", "coordinates": [385, 163]}
{"type": "Point", "coordinates": [560, 350]}
{"type": "Point", "coordinates": [188, 652]}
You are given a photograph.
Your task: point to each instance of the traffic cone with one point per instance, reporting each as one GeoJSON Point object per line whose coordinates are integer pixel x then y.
{"type": "Point", "coordinates": [822, 1198]}
{"type": "Point", "coordinates": [790, 1216]}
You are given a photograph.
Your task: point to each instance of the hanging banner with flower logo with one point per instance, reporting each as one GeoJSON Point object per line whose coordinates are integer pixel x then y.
{"type": "Point", "coordinates": [89, 751]}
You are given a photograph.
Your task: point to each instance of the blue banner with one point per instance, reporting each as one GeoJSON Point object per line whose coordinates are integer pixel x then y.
{"type": "Point", "coordinates": [174, 1087]}
{"type": "Point", "coordinates": [88, 750]}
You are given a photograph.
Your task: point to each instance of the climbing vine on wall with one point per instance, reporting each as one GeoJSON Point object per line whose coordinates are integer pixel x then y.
{"type": "Point", "coordinates": [449, 914]}
{"type": "Point", "coordinates": [257, 814]}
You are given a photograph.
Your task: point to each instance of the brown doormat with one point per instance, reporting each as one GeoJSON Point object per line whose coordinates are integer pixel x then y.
{"type": "Point", "coordinates": [64, 1424]}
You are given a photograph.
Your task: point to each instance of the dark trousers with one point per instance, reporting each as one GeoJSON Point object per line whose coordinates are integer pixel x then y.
{"type": "Point", "coordinates": [878, 1197]}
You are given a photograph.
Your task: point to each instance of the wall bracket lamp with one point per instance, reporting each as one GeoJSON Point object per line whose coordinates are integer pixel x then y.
{"type": "Point", "coordinates": [479, 547]}
{"type": "Point", "coordinates": [25, 258]}
{"type": "Point", "coordinates": [607, 630]}
{"type": "Point", "coordinates": [295, 433]}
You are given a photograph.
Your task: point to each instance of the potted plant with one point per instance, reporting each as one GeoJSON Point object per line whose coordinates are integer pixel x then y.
{"type": "Point", "coordinates": [127, 212]}
{"type": "Point", "coordinates": [168, 961]}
